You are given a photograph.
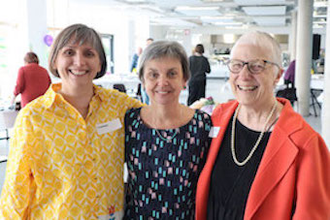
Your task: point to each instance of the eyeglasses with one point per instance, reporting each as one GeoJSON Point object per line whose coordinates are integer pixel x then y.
{"type": "Point", "coordinates": [254, 66]}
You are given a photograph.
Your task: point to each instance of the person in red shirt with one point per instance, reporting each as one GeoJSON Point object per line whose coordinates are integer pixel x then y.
{"type": "Point", "coordinates": [32, 80]}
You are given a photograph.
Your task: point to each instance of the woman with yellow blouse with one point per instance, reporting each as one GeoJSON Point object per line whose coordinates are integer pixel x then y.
{"type": "Point", "coordinates": [67, 149]}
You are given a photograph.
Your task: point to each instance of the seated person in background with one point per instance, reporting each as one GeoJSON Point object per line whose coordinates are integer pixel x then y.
{"type": "Point", "coordinates": [166, 142]}
{"type": "Point", "coordinates": [290, 74]}
{"type": "Point", "coordinates": [266, 162]}
{"type": "Point", "coordinates": [32, 80]}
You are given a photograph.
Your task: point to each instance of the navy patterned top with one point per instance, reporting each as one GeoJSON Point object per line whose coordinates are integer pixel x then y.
{"type": "Point", "coordinates": [163, 167]}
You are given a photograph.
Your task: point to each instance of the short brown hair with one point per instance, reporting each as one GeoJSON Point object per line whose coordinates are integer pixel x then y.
{"type": "Point", "coordinates": [31, 57]}
{"type": "Point", "coordinates": [82, 34]}
{"type": "Point", "coordinates": [160, 49]}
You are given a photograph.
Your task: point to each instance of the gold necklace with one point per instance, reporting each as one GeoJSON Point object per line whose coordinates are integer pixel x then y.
{"type": "Point", "coordinates": [258, 140]}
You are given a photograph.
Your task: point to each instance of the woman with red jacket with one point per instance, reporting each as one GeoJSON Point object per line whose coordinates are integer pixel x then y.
{"type": "Point", "coordinates": [265, 161]}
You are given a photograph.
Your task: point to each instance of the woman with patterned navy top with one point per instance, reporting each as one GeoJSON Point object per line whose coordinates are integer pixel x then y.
{"type": "Point", "coordinates": [166, 142]}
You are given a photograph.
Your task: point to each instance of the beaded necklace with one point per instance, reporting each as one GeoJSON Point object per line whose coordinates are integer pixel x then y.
{"type": "Point", "coordinates": [258, 140]}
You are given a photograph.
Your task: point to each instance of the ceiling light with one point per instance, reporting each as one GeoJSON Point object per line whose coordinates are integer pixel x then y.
{"type": "Point", "coordinates": [209, 18]}
{"type": "Point", "coordinates": [320, 4]}
{"type": "Point", "coordinates": [229, 38]}
{"type": "Point", "coordinates": [187, 8]}
{"type": "Point", "coordinates": [237, 27]}
{"type": "Point", "coordinates": [227, 23]}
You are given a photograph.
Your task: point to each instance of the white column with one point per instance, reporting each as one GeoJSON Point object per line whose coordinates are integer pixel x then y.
{"type": "Point", "coordinates": [326, 90]}
{"type": "Point", "coordinates": [304, 55]}
{"type": "Point", "coordinates": [36, 22]}
{"type": "Point", "coordinates": [293, 35]}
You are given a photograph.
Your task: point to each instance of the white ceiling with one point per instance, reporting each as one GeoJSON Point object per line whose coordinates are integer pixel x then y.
{"type": "Point", "coordinates": [185, 13]}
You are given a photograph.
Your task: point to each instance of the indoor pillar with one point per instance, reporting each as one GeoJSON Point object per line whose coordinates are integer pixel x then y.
{"type": "Point", "coordinates": [304, 55]}
{"type": "Point", "coordinates": [293, 35]}
{"type": "Point", "coordinates": [36, 23]}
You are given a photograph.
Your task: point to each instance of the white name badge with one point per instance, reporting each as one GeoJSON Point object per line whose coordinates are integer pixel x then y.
{"type": "Point", "coordinates": [108, 126]}
{"type": "Point", "coordinates": [214, 132]}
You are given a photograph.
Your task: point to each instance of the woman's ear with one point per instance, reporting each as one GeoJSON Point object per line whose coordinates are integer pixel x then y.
{"type": "Point", "coordinates": [279, 75]}
{"type": "Point", "coordinates": [184, 86]}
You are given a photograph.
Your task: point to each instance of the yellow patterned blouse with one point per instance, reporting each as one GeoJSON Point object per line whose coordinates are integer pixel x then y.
{"type": "Point", "coordinates": [62, 166]}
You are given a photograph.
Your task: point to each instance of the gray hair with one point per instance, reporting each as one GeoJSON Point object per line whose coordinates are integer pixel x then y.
{"type": "Point", "coordinates": [77, 33]}
{"type": "Point", "coordinates": [160, 49]}
{"type": "Point", "coordinates": [263, 40]}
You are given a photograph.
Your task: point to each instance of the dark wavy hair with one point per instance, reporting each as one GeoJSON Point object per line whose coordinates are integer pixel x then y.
{"type": "Point", "coordinates": [199, 48]}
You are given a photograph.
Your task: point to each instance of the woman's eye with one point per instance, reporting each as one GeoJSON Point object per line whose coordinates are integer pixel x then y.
{"type": "Point", "coordinates": [153, 75]}
{"type": "Point", "coordinates": [172, 74]}
{"type": "Point", "coordinates": [68, 52]}
{"type": "Point", "coordinates": [237, 65]}
{"type": "Point", "coordinates": [89, 54]}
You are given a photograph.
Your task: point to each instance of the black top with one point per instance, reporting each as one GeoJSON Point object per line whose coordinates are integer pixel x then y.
{"type": "Point", "coordinates": [198, 66]}
{"type": "Point", "coordinates": [163, 172]}
{"type": "Point", "coordinates": [230, 183]}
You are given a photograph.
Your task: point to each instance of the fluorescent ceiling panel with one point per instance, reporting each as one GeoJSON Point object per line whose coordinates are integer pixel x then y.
{"type": "Point", "coordinates": [258, 2]}
{"type": "Point", "coordinates": [270, 21]}
{"type": "Point", "coordinates": [171, 22]}
{"type": "Point", "coordinates": [265, 10]}
{"type": "Point", "coordinates": [200, 12]}
{"type": "Point", "coordinates": [216, 19]}
{"type": "Point", "coordinates": [175, 3]}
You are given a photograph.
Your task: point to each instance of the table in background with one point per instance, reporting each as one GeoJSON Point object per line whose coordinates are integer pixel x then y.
{"type": "Point", "coordinates": [316, 89]}
{"type": "Point", "coordinates": [7, 120]}
{"type": "Point", "coordinates": [3, 158]}
{"type": "Point", "coordinates": [131, 82]}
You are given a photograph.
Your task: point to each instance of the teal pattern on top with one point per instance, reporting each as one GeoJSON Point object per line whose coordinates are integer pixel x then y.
{"type": "Point", "coordinates": [164, 168]}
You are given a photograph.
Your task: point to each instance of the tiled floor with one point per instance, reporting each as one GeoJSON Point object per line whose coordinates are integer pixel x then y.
{"type": "Point", "coordinates": [216, 88]}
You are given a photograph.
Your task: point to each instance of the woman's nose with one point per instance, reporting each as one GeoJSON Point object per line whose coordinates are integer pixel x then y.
{"type": "Point", "coordinates": [79, 59]}
{"type": "Point", "coordinates": [163, 80]}
{"type": "Point", "coordinates": [245, 72]}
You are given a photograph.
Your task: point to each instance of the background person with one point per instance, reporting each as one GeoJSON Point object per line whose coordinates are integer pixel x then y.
{"type": "Point", "coordinates": [198, 66]}
{"type": "Point", "coordinates": [266, 161]}
{"type": "Point", "coordinates": [135, 59]}
{"type": "Point", "coordinates": [290, 74]}
{"type": "Point", "coordinates": [145, 97]}
{"type": "Point", "coordinates": [166, 142]}
{"type": "Point", "coordinates": [32, 80]}
{"type": "Point", "coordinates": [67, 150]}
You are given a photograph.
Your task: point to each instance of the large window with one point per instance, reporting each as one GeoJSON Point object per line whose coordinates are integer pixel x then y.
{"type": "Point", "coordinates": [107, 41]}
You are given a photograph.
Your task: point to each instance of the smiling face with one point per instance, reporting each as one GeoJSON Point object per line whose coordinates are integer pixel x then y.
{"type": "Point", "coordinates": [254, 90]}
{"type": "Point", "coordinates": [77, 66]}
{"type": "Point", "coordinates": [163, 80]}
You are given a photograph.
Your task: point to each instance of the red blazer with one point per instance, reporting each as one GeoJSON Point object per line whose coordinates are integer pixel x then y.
{"type": "Point", "coordinates": [32, 82]}
{"type": "Point", "coordinates": [293, 178]}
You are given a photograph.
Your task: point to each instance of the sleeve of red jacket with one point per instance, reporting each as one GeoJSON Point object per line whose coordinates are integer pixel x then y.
{"type": "Point", "coordinates": [313, 181]}
{"type": "Point", "coordinates": [20, 82]}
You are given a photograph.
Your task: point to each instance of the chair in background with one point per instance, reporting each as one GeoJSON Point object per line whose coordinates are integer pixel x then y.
{"type": "Point", "coordinates": [120, 87]}
{"type": "Point", "coordinates": [7, 120]}
{"type": "Point", "coordinates": [289, 92]}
